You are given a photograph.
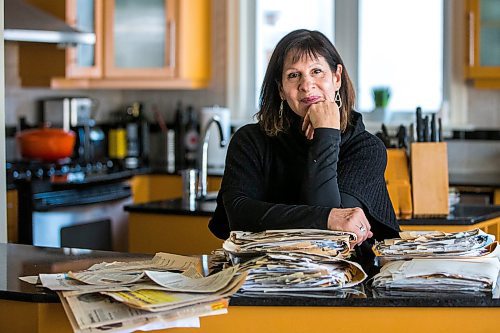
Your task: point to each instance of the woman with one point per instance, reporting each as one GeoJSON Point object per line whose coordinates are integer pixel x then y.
{"type": "Point", "coordinates": [308, 163]}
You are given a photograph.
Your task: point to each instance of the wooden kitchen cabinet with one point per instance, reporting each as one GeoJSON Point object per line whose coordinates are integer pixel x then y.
{"type": "Point", "coordinates": [153, 44]}
{"type": "Point", "coordinates": [147, 188]}
{"type": "Point", "coordinates": [12, 217]}
{"type": "Point", "coordinates": [40, 62]}
{"type": "Point", "coordinates": [85, 61]}
{"type": "Point", "coordinates": [483, 43]}
{"type": "Point", "coordinates": [180, 234]}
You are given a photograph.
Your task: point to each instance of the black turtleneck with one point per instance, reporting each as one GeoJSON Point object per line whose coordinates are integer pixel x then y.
{"type": "Point", "coordinates": [288, 182]}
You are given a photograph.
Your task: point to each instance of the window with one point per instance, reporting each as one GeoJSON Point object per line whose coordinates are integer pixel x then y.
{"type": "Point", "coordinates": [401, 47]}
{"type": "Point", "coordinates": [384, 43]}
{"type": "Point", "coordinates": [278, 17]}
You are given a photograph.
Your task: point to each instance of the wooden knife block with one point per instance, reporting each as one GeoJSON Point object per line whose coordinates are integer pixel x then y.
{"type": "Point", "coordinates": [398, 182]}
{"type": "Point", "coordinates": [429, 178]}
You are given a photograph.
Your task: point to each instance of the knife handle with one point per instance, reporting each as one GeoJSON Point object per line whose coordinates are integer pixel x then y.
{"type": "Point", "coordinates": [440, 131]}
{"type": "Point", "coordinates": [426, 129]}
{"type": "Point", "coordinates": [419, 129]}
{"type": "Point", "coordinates": [433, 128]}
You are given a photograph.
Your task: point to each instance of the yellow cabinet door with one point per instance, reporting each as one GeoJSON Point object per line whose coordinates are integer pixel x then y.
{"type": "Point", "coordinates": [483, 44]}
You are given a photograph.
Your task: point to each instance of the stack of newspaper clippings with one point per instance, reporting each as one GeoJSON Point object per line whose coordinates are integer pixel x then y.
{"type": "Point", "coordinates": [166, 291]}
{"type": "Point", "coordinates": [294, 261]}
{"type": "Point", "coordinates": [465, 262]}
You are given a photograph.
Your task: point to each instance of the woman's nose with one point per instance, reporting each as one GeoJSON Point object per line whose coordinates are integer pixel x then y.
{"type": "Point", "coordinates": [307, 83]}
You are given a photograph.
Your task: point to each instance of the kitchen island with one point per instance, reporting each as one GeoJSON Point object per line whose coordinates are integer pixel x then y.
{"type": "Point", "coordinates": [174, 226]}
{"type": "Point", "coordinates": [26, 308]}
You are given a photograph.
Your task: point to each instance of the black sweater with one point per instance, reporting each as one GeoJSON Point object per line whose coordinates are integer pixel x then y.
{"type": "Point", "coordinates": [288, 182]}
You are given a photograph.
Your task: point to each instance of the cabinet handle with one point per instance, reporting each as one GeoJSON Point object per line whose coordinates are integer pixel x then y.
{"type": "Point", "coordinates": [171, 31]}
{"type": "Point", "coordinates": [471, 39]}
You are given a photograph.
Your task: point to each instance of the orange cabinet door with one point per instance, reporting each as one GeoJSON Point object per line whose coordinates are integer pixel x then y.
{"type": "Point", "coordinates": [83, 60]}
{"type": "Point", "coordinates": [141, 38]}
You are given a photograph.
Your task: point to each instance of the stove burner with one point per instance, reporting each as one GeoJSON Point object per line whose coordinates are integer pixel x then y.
{"type": "Point", "coordinates": [62, 169]}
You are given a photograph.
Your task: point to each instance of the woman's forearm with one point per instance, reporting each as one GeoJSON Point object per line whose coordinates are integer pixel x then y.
{"type": "Point", "coordinates": [320, 187]}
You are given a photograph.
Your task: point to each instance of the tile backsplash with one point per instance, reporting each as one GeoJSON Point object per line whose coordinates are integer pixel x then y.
{"type": "Point", "coordinates": [473, 156]}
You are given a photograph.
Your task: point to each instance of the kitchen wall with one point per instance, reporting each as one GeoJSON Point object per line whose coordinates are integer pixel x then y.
{"type": "Point", "coordinates": [21, 101]}
{"type": "Point", "coordinates": [483, 108]}
{"type": "Point", "coordinates": [483, 105]}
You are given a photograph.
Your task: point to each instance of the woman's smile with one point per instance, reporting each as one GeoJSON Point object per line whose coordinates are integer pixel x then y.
{"type": "Point", "coordinates": [311, 99]}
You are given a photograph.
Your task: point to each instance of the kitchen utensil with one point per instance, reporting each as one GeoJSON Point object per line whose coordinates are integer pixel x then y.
{"type": "Point", "coordinates": [384, 139]}
{"type": "Point", "coordinates": [440, 131]}
{"type": "Point", "coordinates": [420, 127]}
{"type": "Point", "coordinates": [402, 137]}
{"type": "Point", "coordinates": [411, 133]}
{"type": "Point", "coordinates": [384, 136]}
{"type": "Point", "coordinates": [47, 144]}
{"type": "Point", "coordinates": [426, 129]}
{"type": "Point", "coordinates": [433, 128]}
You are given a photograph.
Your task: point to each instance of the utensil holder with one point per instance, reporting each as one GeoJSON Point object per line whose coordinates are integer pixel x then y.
{"type": "Point", "coordinates": [429, 177]}
{"type": "Point", "coordinates": [398, 181]}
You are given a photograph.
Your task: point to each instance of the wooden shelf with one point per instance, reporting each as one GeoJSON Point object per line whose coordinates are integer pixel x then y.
{"type": "Point", "coordinates": [150, 83]}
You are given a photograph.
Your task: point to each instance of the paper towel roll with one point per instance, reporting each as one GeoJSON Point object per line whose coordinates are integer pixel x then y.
{"type": "Point", "coordinates": [216, 155]}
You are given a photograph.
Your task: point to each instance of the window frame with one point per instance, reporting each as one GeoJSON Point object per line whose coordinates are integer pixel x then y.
{"type": "Point", "coordinates": [241, 64]}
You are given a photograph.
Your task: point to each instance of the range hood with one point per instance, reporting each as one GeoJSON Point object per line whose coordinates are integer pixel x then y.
{"type": "Point", "coordinates": [26, 23]}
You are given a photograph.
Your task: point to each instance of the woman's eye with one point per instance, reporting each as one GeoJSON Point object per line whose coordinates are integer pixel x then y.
{"type": "Point", "coordinates": [317, 71]}
{"type": "Point", "coordinates": [292, 76]}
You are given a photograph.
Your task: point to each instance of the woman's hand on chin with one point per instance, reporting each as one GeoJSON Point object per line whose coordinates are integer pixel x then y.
{"type": "Point", "coordinates": [322, 114]}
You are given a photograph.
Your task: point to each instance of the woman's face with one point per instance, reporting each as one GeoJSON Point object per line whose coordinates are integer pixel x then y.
{"type": "Point", "coordinates": [308, 81]}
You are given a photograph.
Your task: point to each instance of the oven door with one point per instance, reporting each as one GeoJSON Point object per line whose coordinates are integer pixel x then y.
{"type": "Point", "coordinates": [85, 216]}
{"type": "Point", "coordinates": [98, 226]}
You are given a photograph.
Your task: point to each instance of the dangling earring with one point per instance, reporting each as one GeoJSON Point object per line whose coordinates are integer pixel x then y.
{"type": "Point", "coordinates": [338, 100]}
{"type": "Point", "coordinates": [281, 109]}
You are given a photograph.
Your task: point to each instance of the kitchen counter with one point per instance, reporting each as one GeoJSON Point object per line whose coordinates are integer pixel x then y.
{"type": "Point", "coordinates": [459, 215]}
{"type": "Point", "coordinates": [41, 311]}
{"type": "Point", "coordinates": [175, 206]}
{"type": "Point", "coordinates": [23, 260]}
{"type": "Point", "coordinates": [174, 226]}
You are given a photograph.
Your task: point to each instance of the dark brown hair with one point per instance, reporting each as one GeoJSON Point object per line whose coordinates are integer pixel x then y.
{"type": "Point", "coordinates": [299, 43]}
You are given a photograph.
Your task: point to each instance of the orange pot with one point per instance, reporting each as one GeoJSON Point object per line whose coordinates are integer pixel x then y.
{"type": "Point", "coordinates": [48, 144]}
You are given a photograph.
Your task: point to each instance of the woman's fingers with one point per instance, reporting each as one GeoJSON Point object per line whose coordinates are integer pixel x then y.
{"type": "Point", "coordinates": [310, 132]}
{"type": "Point", "coordinates": [306, 122]}
{"type": "Point", "coordinates": [352, 220]}
{"type": "Point", "coordinates": [324, 114]}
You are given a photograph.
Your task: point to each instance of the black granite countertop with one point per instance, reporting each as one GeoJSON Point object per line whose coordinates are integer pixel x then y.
{"type": "Point", "coordinates": [459, 214]}
{"type": "Point", "coordinates": [175, 207]}
{"type": "Point", "coordinates": [23, 260]}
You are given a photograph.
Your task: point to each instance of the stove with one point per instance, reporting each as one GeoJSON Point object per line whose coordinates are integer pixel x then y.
{"type": "Point", "coordinates": [40, 170]}
{"type": "Point", "coordinates": [71, 204]}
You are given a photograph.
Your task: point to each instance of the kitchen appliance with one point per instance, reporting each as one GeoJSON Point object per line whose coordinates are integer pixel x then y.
{"type": "Point", "coordinates": [47, 144]}
{"type": "Point", "coordinates": [137, 137]}
{"type": "Point", "coordinates": [67, 112]}
{"type": "Point", "coordinates": [27, 23]}
{"type": "Point", "coordinates": [76, 114]}
{"type": "Point", "coordinates": [216, 153]}
{"type": "Point", "coordinates": [71, 204]}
